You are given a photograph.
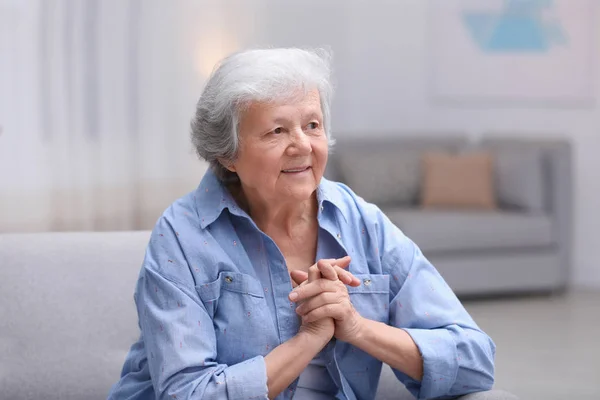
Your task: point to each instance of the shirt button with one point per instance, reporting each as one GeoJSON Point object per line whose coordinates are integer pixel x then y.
{"type": "Point", "coordinates": [367, 282]}
{"type": "Point", "coordinates": [339, 236]}
{"type": "Point", "coordinates": [228, 279]}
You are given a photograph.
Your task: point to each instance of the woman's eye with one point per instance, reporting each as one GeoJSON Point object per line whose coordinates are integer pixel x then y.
{"type": "Point", "coordinates": [313, 125]}
{"type": "Point", "coordinates": [277, 131]}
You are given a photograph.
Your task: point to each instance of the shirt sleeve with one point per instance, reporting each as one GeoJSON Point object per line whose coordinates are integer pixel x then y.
{"type": "Point", "coordinates": [458, 357]}
{"type": "Point", "coordinates": [178, 332]}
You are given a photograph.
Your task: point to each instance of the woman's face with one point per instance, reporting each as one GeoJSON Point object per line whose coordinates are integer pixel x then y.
{"type": "Point", "coordinates": [283, 148]}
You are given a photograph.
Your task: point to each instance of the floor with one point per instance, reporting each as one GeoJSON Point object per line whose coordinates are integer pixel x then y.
{"type": "Point", "coordinates": [548, 347]}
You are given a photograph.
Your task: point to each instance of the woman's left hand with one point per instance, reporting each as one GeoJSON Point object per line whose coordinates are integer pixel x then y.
{"type": "Point", "coordinates": [324, 298]}
{"type": "Point", "coordinates": [328, 269]}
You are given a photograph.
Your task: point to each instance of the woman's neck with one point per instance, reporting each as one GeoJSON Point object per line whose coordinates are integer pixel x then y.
{"type": "Point", "coordinates": [281, 218]}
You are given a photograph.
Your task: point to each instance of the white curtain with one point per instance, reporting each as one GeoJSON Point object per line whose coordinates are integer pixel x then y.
{"type": "Point", "coordinates": [96, 97]}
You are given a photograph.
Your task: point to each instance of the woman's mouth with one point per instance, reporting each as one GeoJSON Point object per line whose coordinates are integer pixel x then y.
{"type": "Point", "coordinates": [296, 170]}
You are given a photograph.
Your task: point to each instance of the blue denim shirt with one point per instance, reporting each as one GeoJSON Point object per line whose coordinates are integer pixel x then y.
{"type": "Point", "coordinates": [212, 302]}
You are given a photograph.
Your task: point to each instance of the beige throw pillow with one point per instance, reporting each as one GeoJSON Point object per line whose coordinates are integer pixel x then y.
{"type": "Point", "coordinates": [458, 181]}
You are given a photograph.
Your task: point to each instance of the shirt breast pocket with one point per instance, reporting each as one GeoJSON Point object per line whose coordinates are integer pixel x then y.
{"type": "Point", "coordinates": [231, 290]}
{"type": "Point", "coordinates": [241, 319]}
{"type": "Point", "coordinates": [371, 299]}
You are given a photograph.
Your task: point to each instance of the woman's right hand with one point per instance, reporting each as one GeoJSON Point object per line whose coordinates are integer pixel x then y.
{"type": "Point", "coordinates": [325, 327]}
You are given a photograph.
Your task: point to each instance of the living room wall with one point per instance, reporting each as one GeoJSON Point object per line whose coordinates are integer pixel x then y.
{"type": "Point", "coordinates": [64, 167]}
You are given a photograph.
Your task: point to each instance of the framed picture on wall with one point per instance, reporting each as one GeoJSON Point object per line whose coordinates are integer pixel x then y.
{"type": "Point", "coordinates": [513, 52]}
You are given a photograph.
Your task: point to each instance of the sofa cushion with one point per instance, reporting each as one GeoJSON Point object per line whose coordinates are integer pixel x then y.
{"type": "Point", "coordinates": [68, 317]}
{"type": "Point", "coordinates": [458, 181]}
{"type": "Point", "coordinates": [445, 231]}
{"type": "Point", "coordinates": [383, 178]}
{"type": "Point", "coordinates": [518, 179]}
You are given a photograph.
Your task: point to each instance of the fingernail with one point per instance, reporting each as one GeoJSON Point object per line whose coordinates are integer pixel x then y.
{"type": "Point", "coordinates": [293, 296]}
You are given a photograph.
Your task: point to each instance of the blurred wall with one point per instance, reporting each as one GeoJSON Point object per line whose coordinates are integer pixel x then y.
{"type": "Point", "coordinates": [96, 98]}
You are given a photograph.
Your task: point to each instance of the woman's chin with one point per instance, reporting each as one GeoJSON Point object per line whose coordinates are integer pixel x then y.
{"type": "Point", "coordinates": [299, 194]}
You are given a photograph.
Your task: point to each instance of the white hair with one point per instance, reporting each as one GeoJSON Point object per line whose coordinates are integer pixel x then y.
{"type": "Point", "coordinates": [271, 75]}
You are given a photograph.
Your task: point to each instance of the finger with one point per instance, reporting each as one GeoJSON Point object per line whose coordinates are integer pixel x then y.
{"type": "Point", "coordinates": [298, 277]}
{"type": "Point", "coordinates": [319, 301]}
{"type": "Point", "coordinates": [340, 273]}
{"type": "Point", "coordinates": [314, 288]}
{"type": "Point", "coordinates": [313, 273]}
{"type": "Point", "coordinates": [342, 262]}
{"type": "Point", "coordinates": [347, 277]}
{"type": "Point", "coordinates": [327, 270]}
{"type": "Point", "coordinates": [326, 266]}
{"type": "Point", "coordinates": [326, 311]}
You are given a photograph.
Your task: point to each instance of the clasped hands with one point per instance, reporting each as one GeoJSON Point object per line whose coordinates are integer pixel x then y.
{"type": "Point", "coordinates": [323, 301]}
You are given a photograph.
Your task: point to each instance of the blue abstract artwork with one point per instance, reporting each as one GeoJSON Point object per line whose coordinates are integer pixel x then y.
{"type": "Point", "coordinates": [513, 53]}
{"type": "Point", "coordinates": [519, 26]}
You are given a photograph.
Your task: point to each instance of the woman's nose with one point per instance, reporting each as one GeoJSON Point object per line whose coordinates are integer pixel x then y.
{"type": "Point", "coordinates": [300, 141]}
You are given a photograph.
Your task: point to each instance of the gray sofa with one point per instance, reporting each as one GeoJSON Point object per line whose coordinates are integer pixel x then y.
{"type": "Point", "coordinates": [67, 316]}
{"type": "Point", "coordinates": [525, 245]}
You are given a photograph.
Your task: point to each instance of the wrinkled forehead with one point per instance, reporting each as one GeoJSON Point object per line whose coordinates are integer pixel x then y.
{"type": "Point", "coordinates": [300, 103]}
{"type": "Point", "coordinates": [298, 96]}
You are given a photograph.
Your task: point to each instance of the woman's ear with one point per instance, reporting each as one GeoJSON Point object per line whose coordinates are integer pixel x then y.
{"type": "Point", "coordinates": [230, 166]}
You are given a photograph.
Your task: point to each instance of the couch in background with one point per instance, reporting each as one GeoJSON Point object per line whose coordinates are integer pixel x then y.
{"type": "Point", "coordinates": [523, 245]}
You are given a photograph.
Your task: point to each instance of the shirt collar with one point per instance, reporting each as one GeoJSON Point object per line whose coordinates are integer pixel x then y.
{"type": "Point", "coordinates": [331, 193]}
{"type": "Point", "coordinates": [212, 197]}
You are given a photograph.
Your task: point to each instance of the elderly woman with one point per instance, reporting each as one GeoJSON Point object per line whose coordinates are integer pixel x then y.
{"type": "Point", "coordinates": [270, 281]}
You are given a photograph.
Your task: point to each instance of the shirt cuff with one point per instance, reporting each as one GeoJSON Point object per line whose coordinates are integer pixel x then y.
{"type": "Point", "coordinates": [440, 364]}
{"type": "Point", "coordinates": [247, 379]}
